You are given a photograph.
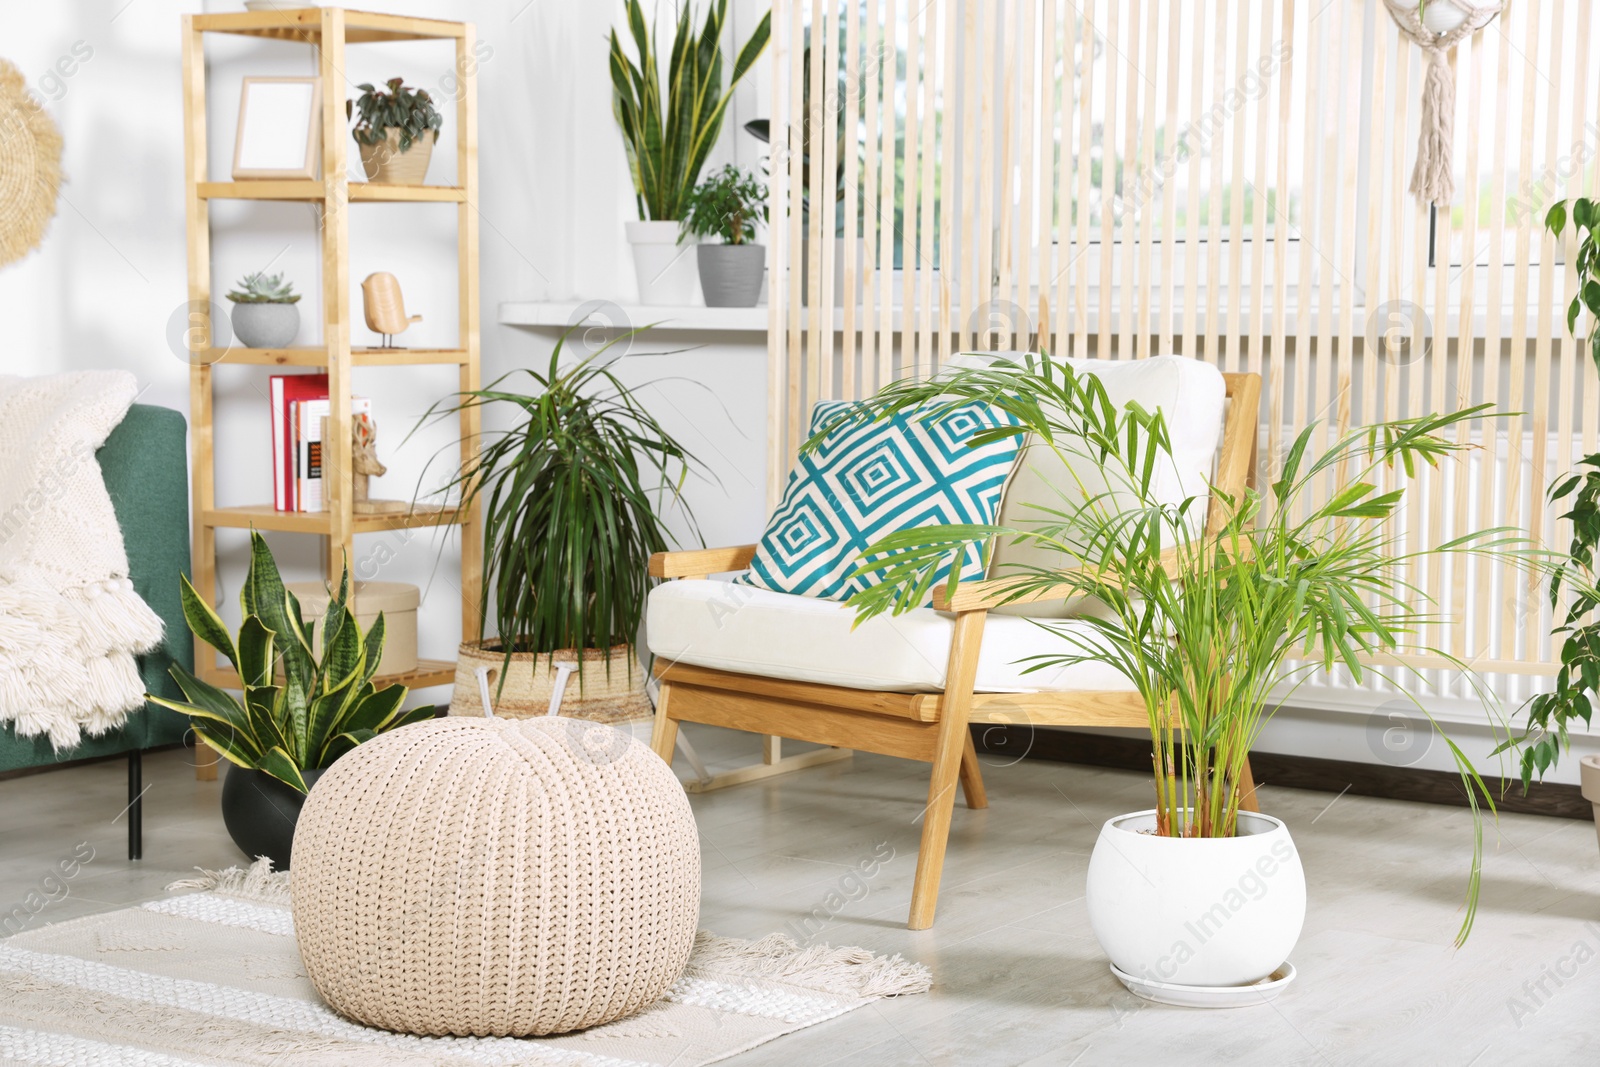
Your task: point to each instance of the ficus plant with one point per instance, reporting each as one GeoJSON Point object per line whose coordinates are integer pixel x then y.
{"type": "Point", "coordinates": [408, 110]}
{"type": "Point", "coordinates": [1217, 612]}
{"type": "Point", "coordinates": [299, 711]}
{"type": "Point", "coordinates": [727, 205]}
{"type": "Point", "coordinates": [668, 137]}
{"type": "Point", "coordinates": [572, 494]}
{"type": "Point", "coordinates": [1576, 686]}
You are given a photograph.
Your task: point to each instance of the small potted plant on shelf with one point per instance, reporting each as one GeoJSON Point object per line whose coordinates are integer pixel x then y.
{"type": "Point", "coordinates": [727, 205]}
{"type": "Point", "coordinates": [299, 711]}
{"type": "Point", "coordinates": [1207, 613]}
{"type": "Point", "coordinates": [396, 131]}
{"type": "Point", "coordinates": [667, 139]}
{"type": "Point", "coordinates": [571, 496]}
{"type": "Point", "coordinates": [264, 313]}
{"type": "Point", "coordinates": [1575, 690]}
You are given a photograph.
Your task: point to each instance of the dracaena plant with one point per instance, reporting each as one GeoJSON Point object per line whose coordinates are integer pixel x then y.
{"type": "Point", "coordinates": [572, 494]}
{"type": "Point", "coordinates": [1576, 686]}
{"type": "Point", "coordinates": [1214, 616]}
{"type": "Point", "coordinates": [667, 139]}
{"type": "Point", "coordinates": [299, 711]}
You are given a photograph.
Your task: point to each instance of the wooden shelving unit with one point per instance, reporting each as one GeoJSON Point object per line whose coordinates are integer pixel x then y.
{"type": "Point", "coordinates": [328, 30]}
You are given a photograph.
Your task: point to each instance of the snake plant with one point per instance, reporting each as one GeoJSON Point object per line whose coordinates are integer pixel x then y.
{"type": "Point", "coordinates": [667, 141]}
{"type": "Point", "coordinates": [299, 712]}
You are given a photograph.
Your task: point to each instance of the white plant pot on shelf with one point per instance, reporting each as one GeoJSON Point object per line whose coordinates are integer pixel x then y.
{"type": "Point", "coordinates": [666, 269]}
{"type": "Point", "coordinates": [1196, 911]}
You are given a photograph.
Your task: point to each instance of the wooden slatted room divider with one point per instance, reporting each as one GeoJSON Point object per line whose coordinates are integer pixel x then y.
{"type": "Point", "coordinates": [1114, 179]}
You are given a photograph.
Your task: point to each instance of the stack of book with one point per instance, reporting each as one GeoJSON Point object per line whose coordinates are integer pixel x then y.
{"type": "Point", "coordinates": [299, 408]}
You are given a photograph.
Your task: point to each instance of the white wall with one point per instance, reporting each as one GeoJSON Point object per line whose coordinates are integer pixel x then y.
{"type": "Point", "coordinates": [554, 194]}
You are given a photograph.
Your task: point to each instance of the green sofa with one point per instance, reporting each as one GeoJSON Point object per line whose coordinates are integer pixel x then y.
{"type": "Point", "coordinates": [146, 468]}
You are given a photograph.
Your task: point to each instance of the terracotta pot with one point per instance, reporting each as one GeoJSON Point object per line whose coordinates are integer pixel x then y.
{"type": "Point", "coordinates": [385, 162]}
{"type": "Point", "coordinates": [610, 691]}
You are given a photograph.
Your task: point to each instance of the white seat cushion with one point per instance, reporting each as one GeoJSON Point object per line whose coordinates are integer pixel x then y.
{"type": "Point", "coordinates": [741, 628]}
{"type": "Point", "coordinates": [1188, 393]}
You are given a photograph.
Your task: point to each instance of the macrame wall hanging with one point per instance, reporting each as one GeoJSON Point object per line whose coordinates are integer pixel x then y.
{"type": "Point", "coordinates": [1436, 26]}
{"type": "Point", "coordinates": [30, 167]}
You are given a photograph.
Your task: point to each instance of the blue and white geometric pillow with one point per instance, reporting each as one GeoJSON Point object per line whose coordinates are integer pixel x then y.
{"type": "Point", "coordinates": [867, 480]}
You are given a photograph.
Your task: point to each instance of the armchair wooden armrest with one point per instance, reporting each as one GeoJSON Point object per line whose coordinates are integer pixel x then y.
{"type": "Point", "coordinates": [697, 563]}
{"type": "Point", "coordinates": [996, 592]}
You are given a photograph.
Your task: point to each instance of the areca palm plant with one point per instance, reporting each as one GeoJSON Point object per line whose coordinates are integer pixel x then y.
{"type": "Point", "coordinates": [668, 140]}
{"type": "Point", "coordinates": [1214, 614]}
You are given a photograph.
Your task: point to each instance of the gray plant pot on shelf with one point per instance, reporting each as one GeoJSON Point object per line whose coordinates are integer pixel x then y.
{"type": "Point", "coordinates": [731, 275]}
{"type": "Point", "coordinates": [265, 325]}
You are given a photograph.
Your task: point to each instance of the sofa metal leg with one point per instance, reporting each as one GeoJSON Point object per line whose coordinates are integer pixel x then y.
{"type": "Point", "coordinates": [135, 804]}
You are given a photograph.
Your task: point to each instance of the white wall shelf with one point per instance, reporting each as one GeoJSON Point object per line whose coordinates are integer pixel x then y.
{"type": "Point", "coordinates": [560, 315]}
{"type": "Point", "coordinates": [631, 316]}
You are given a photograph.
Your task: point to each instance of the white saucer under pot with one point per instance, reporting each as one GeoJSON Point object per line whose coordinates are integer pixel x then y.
{"type": "Point", "coordinates": [1196, 911]}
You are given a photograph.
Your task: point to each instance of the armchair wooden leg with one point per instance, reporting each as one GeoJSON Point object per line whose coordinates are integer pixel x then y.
{"type": "Point", "coordinates": [972, 776]}
{"type": "Point", "coordinates": [954, 738]}
{"type": "Point", "coordinates": [664, 736]}
{"type": "Point", "coordinates": [1247, 789]}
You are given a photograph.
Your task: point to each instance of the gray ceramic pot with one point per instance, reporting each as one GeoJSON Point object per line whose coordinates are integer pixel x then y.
{"type": "Point", "coordinates": [265, 325]}
{"type": "Point", "coordinates": [730, 275]}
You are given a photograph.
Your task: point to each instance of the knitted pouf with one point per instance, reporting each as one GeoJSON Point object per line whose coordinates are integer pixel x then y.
{"type": "Point", "coordinates": [496, 877]}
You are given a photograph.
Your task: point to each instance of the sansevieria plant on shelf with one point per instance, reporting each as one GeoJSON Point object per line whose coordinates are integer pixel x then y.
{"type": "Point", "coordinates": [298, 712]}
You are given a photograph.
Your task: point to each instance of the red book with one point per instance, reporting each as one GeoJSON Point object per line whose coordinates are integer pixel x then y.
{"type": "Point", "coordinates": [287, 389]}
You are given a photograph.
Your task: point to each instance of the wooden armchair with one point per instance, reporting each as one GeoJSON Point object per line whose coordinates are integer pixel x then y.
{"type": "Point", "coordinates": [927, 726]}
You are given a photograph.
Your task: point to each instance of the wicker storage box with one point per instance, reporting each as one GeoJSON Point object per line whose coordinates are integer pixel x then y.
{"type": "Point", "coordinates": [398, 602]}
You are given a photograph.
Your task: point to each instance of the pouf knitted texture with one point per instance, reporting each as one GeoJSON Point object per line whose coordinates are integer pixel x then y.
{"type": "Point", "coordinates": [495, 877]}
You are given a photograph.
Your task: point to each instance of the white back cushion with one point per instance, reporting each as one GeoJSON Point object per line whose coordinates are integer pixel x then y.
{"type": "Point", "coordinates": [1191, 396]}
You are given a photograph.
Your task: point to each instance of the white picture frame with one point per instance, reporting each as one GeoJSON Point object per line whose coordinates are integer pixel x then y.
{"type": "Point", "coordinates": [280, 128]}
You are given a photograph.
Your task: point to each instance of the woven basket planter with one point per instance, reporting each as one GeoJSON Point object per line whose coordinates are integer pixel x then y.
{"type": "Point", "coordinates": [612, 689]}
{"type": "Point", "coordinates": [386, 163]}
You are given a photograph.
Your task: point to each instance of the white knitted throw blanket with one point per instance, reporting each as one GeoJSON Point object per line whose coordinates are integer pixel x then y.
{"type": "Point", "coordinates": [70, 622]}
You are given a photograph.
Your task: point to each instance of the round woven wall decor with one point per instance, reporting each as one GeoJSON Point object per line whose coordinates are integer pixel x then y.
{"type": "Point", "coordinates": [30, 167]}
{"type": "Point", "coordinates": [496, 877]}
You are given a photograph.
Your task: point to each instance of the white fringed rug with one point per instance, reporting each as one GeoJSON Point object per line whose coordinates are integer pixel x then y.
{"type": "Point", "coordinates": [214, 977]}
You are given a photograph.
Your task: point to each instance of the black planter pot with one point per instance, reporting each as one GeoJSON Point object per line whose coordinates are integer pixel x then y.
{"type": "Point", "coordinates": [260, 812]}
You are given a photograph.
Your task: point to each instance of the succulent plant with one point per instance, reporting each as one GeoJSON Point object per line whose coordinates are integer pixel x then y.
{"type": "Point", "coordinates": [260, 288]}
{"type": "Point", "coordinates": [411, 111]}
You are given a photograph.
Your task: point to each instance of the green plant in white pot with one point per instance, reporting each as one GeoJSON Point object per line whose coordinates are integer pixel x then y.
{"type": "Point", "coordinates": [727, 205]}
{"type": "Point", "coordinates": [297, 712]}
{"type": "Point", "coordinates": [264, 313]}
{"type": "Point", "coordinates": [668, 136]}
{"type": "Point", "coordinates": [1575, 689]}
{"type": "Point", "coordinates": [1213, 615]}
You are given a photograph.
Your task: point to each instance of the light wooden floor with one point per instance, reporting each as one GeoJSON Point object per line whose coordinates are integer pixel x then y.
{"type": "Point", "coordinates": [1018, 976]}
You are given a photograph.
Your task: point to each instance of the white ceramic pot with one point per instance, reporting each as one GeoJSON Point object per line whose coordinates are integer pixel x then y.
{"type": "Point", "coordinates": [1589, 779]}
{"type": "Point", "coordinates": [1196, 911]}
{"type": "Point", "coordinates": [667, 271]}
